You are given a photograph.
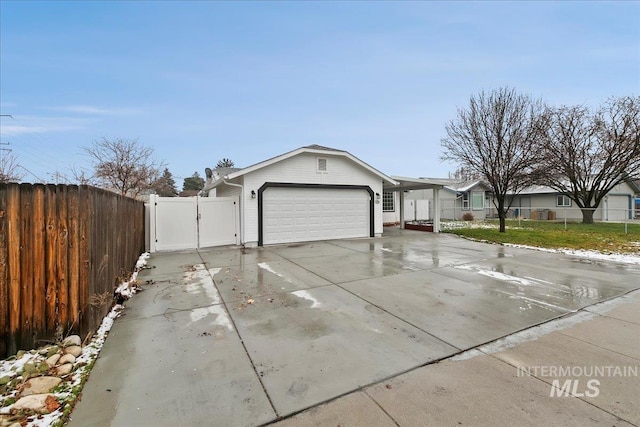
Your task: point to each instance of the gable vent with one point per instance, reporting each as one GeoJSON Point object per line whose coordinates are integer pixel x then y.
{"type": "Point", "coordinates": [322, 165]}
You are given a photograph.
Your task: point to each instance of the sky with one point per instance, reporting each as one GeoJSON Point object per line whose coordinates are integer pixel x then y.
{"type": "Point", "coordinates": [199, 81]}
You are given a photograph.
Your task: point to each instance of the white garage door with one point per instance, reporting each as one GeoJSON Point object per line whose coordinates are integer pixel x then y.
{"type": "Point", "coordinates": [304, 214]}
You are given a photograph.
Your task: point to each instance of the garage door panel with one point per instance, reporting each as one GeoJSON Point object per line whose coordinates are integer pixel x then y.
{"type": "Point", "coordinates": [304, 214]}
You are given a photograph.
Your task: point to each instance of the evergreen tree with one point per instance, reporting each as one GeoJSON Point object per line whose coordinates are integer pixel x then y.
{"type": "Point", "coordinates": [165, 186]}
{"type": "Point", "coordinates": [194, 182]}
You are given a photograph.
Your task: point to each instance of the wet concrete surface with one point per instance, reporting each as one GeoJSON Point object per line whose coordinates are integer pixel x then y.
{"type": "Point", "coordinates": [256, 334]}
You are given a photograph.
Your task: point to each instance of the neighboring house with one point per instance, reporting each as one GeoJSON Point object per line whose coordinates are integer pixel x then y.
{"type": "Point", "coordinates": [537, 201]}
{"type": "Point", "coordinates": [311, 193]}
{"type": "Point", "coordinates": [456, 199]}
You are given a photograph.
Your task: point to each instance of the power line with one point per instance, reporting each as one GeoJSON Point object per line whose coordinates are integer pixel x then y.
{"type": "Point", "coordinates": [33, 174]}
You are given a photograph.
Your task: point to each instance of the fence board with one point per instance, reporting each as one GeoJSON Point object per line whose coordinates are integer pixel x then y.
{"type": "Point", "coordinates": [85, 225]}
{"type": "Point", "coordinates": [39, 284]}
{"type": "Point", "coordinates": [59, 247]}
{"type": "Point", "coordinates": [51, 250]}
{"type": "Point", "coordinates": [62, 256]}
{"type": "Point", "coordinates": [4, 269]}
{"type": "Point", "coordinates": [26, 262]}
{"type": "Point", "coordinates": [73, 272]}
{"type": "Point", "coordinates": [13, 239]}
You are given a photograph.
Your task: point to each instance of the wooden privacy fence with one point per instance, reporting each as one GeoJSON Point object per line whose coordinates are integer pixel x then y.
{"type": "Point", "coordinates": [63, 248]}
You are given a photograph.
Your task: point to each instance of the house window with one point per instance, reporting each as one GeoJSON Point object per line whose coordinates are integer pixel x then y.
{"type": "Point", "coordinates": [465, 202]}
{"type": "Point", "coordinates": [322, 164]}
{"type": "Point", "coordinates": [563, 201]}
{"type": "Point", "coordinates": [388, 202]}
{"type": "Point", "coordinates": [477, 200]}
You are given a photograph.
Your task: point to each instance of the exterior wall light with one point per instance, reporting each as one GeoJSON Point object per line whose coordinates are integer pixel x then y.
{"type": "Point", "coordinates": [253, 194]}
{"type": "Point", "coordinates": [377, 197]}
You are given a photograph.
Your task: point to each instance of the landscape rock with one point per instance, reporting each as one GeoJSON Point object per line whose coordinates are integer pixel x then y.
{"type": "Point", "coordinates": [71, 340]}
{"type": "Point", "coordinates": [53, 360]}
{"type": "Point", "coordinates": [40, 385]}
{"type": "Point", "coordinates": [76, 350]}
{"type": "Point", "coordinates": [52, 350]}
{"type": "Point", "coordinates": [8, 421]}
{"type": "Point", "coordinates": [64, 369]}
{"type": "Point", "coordinates": [67, 358]}
{"type": "Point", "coordinates": [40, 403]}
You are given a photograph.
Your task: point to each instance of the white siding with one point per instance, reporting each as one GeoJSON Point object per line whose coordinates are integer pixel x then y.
{"type": "Point", "coordinates": [393, 217]}
{"type": "Point", "coordinates": [228, 191]}
{"type": "Point", "coordinates": [303, 169]}
{"type": "Point", "coordinates": [615, 208]}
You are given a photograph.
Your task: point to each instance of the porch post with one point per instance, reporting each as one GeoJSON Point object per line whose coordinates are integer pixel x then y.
{"type": "Point", "coordinates": [436, 210]}
{"type": "Point", "coordinates": [401, 209]}
{"type": "Point", "coordinates": [151, 221]}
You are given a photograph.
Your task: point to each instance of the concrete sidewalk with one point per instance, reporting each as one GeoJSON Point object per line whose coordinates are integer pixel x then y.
{"type": "Point", "coordinates": [511, 381]}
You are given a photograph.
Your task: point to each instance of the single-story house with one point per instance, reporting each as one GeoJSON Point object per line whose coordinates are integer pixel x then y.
{"type": "Point", "coordinates": [537, 201]}
{"type": "Point", "coordinates": [456, 198]}
{"type": "Point", "coordinates": [311, 193]}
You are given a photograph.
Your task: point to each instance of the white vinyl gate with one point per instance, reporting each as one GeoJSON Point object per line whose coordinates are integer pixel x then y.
{"type": "Point", "coordinates": [175, 223]}
{"type": "Point", "coordinates": [416, 210]}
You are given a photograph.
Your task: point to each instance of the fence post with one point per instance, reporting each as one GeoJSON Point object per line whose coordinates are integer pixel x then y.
{"type": "Point", "coordinates": [153, 200]}
{"type": "Point", "coordinates": [565, 219]}
{"type": "Point", "coordinates": [626, 230]}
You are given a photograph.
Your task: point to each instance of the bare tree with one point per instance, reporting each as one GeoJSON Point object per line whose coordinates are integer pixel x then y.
{"type": "Point", "coordinates": [587, 154]}
{"type": "Point", "coordinates": [225, 163]}
{"type": "Point", "coordinates": [82, 176]}
{"type": "Point", "coordinates": [496, 138]}
{"type": "Point", "coordinates": [124, 165]}
{"type": "Point", "coordinates": [9, 168]}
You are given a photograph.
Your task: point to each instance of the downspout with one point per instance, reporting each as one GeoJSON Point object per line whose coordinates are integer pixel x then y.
{"type": "Point", "coordinates": [242, 241]}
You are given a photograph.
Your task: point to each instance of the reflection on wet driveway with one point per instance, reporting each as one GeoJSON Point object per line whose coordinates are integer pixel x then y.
{"type": "Point", "coordinates": [319, 320]}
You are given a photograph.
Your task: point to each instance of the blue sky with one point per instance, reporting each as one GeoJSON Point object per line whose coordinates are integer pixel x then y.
{"type": "Point", "coordinates": [199, 81]}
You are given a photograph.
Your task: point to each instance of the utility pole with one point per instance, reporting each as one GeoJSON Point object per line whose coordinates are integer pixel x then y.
{"type": "Point", "coordinates": [8, 150]}
{"type": "Point", "coordinates": [4, 150]}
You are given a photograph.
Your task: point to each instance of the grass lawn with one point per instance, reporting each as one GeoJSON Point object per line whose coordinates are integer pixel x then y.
{"type": "Point", "coordinates": [604, 237]}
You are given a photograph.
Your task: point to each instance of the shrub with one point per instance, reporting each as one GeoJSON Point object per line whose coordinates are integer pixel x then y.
{"type": "Point", "coordinates": [467, 216]}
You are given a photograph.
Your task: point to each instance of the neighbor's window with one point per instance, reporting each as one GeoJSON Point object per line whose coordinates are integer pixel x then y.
{"type": "Point", "coordinates": [563, 201]}
{"type": "Point", "coordinates": [477, 200]}
{"type": "Point", "coordinates": [465, 202]}
{"type": "Point", "coordinates": [388, 200]}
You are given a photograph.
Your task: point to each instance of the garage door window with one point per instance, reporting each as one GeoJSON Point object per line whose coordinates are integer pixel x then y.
{"type": "Point", "coordinates": [388, 200]}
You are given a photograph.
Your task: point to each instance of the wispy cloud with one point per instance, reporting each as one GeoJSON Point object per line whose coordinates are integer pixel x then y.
{"type": "Point", "coordinates": [21, 125]}
{"type": "Point", "coordinates": [93, 110]}
{"type": "Point", "coordinates": [20, 130]}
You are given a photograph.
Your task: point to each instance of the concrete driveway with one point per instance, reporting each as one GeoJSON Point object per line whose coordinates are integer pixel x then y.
{"type": "Point", "coordinates": [234, 336]}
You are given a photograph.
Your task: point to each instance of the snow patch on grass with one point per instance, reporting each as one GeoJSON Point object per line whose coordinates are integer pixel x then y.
{"type": "Point", "coordinates": [588, 254]}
